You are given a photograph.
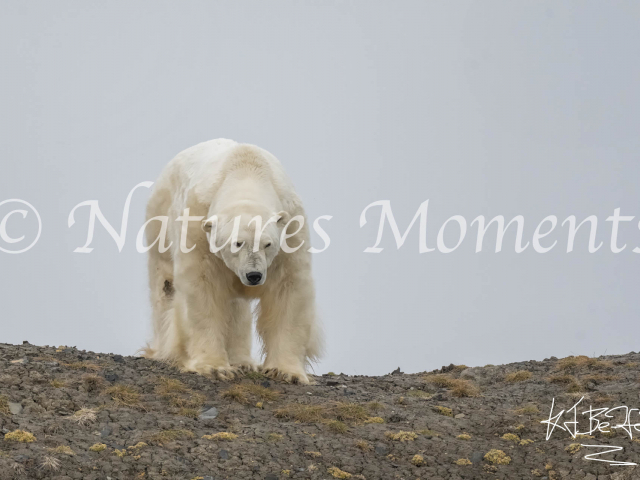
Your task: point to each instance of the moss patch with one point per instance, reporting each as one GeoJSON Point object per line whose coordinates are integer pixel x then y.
{"type": "Point", "coordinates": [4, 405]}
{"type": "Point", "coordinates": [20, 436]}
{"type": "Point", "coordinates": [511, 437]}
{"type": "Point", "coordinates": [497, 457]}
{"type": "Point", "coordinates": [447, 412]}
{"type": "Point", "coordinates": [401, 436]}
{"type": "Point", "coordinates": [573, 448]}
{"type": "Point", "coordinates": [335, 472]}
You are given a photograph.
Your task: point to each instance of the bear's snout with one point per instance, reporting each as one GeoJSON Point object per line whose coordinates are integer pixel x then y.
{"type": "Point", "coordinates": [254, 278]}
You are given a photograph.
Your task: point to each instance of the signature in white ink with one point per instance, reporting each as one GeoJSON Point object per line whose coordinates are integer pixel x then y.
{"type": "Point", "coordinates": [600, 420]}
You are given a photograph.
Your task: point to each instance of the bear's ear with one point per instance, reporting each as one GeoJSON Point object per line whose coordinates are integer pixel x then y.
{"type": "Point", "coordinates": [284, 218]}
{"type": "Point", "coordinates": [206, 225]}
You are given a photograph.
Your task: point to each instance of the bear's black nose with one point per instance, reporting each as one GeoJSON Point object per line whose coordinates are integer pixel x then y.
{"type": "Point", "coordinates": [254, 277]}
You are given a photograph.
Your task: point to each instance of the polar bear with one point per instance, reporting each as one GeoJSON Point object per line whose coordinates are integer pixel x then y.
{"type": "Point", "coordinates": [201, 291]}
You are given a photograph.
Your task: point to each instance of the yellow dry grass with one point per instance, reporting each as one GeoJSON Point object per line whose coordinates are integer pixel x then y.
{"type": "Point", "coordinates": [527, 410]}
{"type": "Point", "coordinates": [243, 393]}
{"type": "Point", "coordinates": [519, 376]}
{"type": "Point", "coordinates": [334, 415]}
{"type": "Point", "coordinates": [582, 361]}
{"type": "Point", "coordinates": [125, 395]}
{"type": "Point", "coordinates": [62, 449]}
{"type": "Point", "coordinates": [223, 436]}
{"type": "Point", "coordinates": [364, 445]}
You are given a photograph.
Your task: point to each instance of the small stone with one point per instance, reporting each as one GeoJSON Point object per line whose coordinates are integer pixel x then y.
{"type": "Point", "coordinates": [397, 371]}
{"type": "Point", "coordinates": [209, 414]}
{"type": "Point", "coordinates": [476, 457]}
{"type": "Point", "coordinates": [309, 393]}
{"type": "Point", "coordinates": [467, 373]}
{"type": "Point", "coordinates": [118, 358]}
{"type": "Point", "coordinates": [15, 408]}
{"type": "Point", "coordinates": [332, 383]}
{"type": "Point", "coordinates": [111, 377]}
{"type": "Point", "coordinates": [266, 384]}
{"type": "Point", "coordinates": [448, 368]}
{"type": "Point", "coordinates": [395, 418]}
{"type": "Point", "coordinates": [381, 449]}
{"type": "Point", "coordinates": [207, 477]}
{"type": "Point", "coordinates": [105, 432]}
{"type": "Point", "coordinates": [223, 454]}
{"type": "Point", "coordinates": [460, 415]}
{"type": "Point", "coordinates": [20, 361]}
{"type": "Point", "coordinates": [271, 476]}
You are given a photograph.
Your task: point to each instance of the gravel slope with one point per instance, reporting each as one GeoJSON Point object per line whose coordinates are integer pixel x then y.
{"type": "Point", "coordinates": [71, 414]}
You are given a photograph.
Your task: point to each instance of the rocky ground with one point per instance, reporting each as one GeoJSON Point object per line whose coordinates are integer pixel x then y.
{"type": "Point", "coordinates": [71, 414]}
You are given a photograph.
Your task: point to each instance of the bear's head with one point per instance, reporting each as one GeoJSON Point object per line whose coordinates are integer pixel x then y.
{"type": "Point", "coordinates": [246, 237]}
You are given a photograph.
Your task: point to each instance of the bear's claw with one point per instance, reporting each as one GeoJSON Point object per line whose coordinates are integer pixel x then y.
{"type": "Point", "coordinates": [295, 378]}
{"type": "Point", "coordinates": [222, 373]}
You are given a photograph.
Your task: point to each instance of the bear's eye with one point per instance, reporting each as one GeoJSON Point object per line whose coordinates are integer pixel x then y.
{"type": "Point", "coordinates": [239, 244]}
{"type": "Point", "coordinates": [267, 245]}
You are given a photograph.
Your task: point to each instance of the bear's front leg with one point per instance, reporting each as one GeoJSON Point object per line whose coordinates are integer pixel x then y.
{"type": "Point", "coordinates": [239, 338]}
{"type": "Point", "coordinates": [205, 318]}
{"type": "Point", "coordinates": [287, 326]}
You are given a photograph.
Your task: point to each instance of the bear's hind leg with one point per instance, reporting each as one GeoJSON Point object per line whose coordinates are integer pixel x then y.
{"type": "Point", "coordinates": [161, 291]}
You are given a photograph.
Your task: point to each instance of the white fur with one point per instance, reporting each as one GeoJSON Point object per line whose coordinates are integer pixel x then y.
{"type": "Point", "coordinates": [202, 318]}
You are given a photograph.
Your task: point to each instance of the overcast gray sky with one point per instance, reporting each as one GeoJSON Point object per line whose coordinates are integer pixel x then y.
{"type": "Point", "coordinates": [483, 108]}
